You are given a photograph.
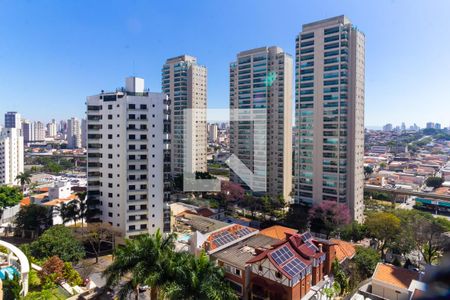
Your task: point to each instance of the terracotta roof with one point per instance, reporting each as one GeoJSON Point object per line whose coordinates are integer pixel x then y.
{"type": "Point", "coordinates": [396, 276]}
{"type": "Point", "coordinates": [40, 196]}
{"type": "Point", "coordinates": [56, 202]}
{"type": "Point", "coordinates": [278, 232]}
{"type": "Point", "coordinates": [344, 250]}
{"type": "Point", "coordinates": [43, 189]}
{"type": "Point", "coordinates": [25, 201]}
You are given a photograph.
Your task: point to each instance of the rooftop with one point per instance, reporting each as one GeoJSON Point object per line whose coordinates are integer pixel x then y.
{"type": "Point", "coordinates": [278, 232]}
{"type": "Point", "coordinates": [344, 250]}
{"type": "Point", "coordinates": [238, 254]}
{"type": "Point", "coordinates": [395, 276]}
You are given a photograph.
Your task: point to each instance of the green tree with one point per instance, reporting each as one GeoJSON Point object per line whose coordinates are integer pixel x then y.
{"type": "Point", "coordinates": [340, 276]}
{"type": "Point", "coordinates": [9, 196]}
{"type": "Point", "coordinates": [11, 288]}
{"type": "Point", "coordinates": [58, 241]}
{"type": "Point", "coordinates": [434, 181]}
{"type": "Point", "coordinates": [195, 278]}
{"type": "Point", "coordinates": [385, 228]}
{"type": "Point", "coordinates": [33, 217]}
{"type": "Point", "coordinates": [353, 232]}
{"type": "Point", "coordinates": [297, 217]}
{"type": "Point", "coordinates": [366, 260]}
{"type": "Point", "coordinates": [143, 259]}
{"type": "Point", "coordinates": [68, 211]}
{"type": "Point", "coordinates": [24, 178]}
{"type": "Point", "coordinates": [368, 170]}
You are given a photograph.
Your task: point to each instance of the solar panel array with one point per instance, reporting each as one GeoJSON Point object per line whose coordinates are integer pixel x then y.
{"type": "Point", "coordinates": [223, 238]}
{"type": "Point", "coordinates": [242, 232]}
{"type": "Point", "coordinates": [281, 255]}
{"type": "Point", "coordinates": [311, 246]}
{"type": "Point", "coordinates": [306, 236]}
{"type": "Point", "coordinates": [294, 267]}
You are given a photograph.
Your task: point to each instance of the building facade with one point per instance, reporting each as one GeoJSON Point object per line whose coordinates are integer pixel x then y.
{"type": "Point", "coordinates": [261, 79]}
{"type": "Point", "coordinates": [185, 82]}
{"type": "Point", "coordinates": [73, 133]}
{"type": "Point", "coordinates": [28, 131]}
{"type": "Point", "coordinates": [11, 155]}
{"type": "Point", "coordinates": [39, 131]}
{"type": "Point", "coordinates": [126, 144]}
{"type": "Point", "coordinates": [12, 120]}
{"type": "Point", "coordinates": [329, 139]}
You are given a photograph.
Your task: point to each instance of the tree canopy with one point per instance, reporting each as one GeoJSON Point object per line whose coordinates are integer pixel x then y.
{"type": "Point", "coordinates": [327, 216]}
{"type": "Point", "coordinates": [9, 196]}
{"type": "Point", "coordinates": [57, 241]}
{"type": "Point", "coordinates": [33, 217]}
{"type": "Point", "coordinates": [434, 181]}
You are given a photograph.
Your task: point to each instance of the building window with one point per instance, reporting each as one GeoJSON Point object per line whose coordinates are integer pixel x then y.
{"type": "Point", "coordinates": [278, 274]}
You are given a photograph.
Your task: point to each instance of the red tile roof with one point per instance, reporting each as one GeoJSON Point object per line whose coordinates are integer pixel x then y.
{"type": "Point", "coordinates": [278, 232]}
{"type": "Point", "coordinates": [396, 276]}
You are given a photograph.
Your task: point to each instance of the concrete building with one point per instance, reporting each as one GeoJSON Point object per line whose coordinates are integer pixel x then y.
{"type": "Point", "coordinates": [213, 133]}
{"type": "Point", "coordinates": [11, 155]}
{"type": "Point", "coordinates": [51, 129]}
{"type": "Point", "coordinates": [39, 131]}
{"type": "Point", "coordinates": [185, 82]}
{"type": "Point", "coordinates": [126, 141]}
{"type": "Point", "coordinates": [83, 133]}
{"type": "Point", "coordinates": [330, 114]}
{"type": "Point", "coordinates": [73, 133]}
{"type": "Point", "coordinates": [429, 125]}
{"type": "Point", "coordinates": [12, 120]}
{"type": "Point", "coordinates": [28, 131]}
{"type": "Point", "coordinates": [261, 78]}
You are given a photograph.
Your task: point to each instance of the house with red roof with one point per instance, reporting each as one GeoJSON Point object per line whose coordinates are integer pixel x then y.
{"type": "Point", "coordinates": [289, 269]}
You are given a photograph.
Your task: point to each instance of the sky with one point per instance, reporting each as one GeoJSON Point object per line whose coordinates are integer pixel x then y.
{"type": "Point", "coordinates": [54, 53]}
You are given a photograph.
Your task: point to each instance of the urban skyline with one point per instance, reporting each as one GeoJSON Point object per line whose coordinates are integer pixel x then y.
{"type": "Point", "coordinates": [384, 101]}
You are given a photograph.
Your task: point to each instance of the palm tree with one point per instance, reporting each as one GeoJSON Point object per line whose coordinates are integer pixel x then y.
{"type": "Point", "coordinates": [82, 207]}
{"type": "Point", "coordinates": [195, 278]}
{"type": "Point", "coordinates": [24, 178]}
{"type": "Point", "coordinates": [140, 262]}
{"type": "Point", "coordinates": [68, 212]}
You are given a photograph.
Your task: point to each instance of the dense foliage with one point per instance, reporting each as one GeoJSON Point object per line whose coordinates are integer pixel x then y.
{"type": "Point", "coordinates": [434, 181]}
{"type": "Point", "coordinates": [33, 217]}
{"type": "Point", "coordinates": [9, 196]}
{"type": "Point", "coordinates": [327, 216]}
{"type": "Point", "coordinates": [151, 260]}
{"type": "Point", "coordinates": [57, 241]}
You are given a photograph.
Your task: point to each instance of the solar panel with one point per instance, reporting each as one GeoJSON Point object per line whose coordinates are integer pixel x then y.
{"type": "Point", "coordinates": [281, 255]}
{"type": "Point", "coordinates": [294, 267]}
{"type": "Point", "coordinates": [243, 231]}
{"type": "Point", "coordinates": [311, 246]}
{"type": "Point", "coordinates": [306, 236]}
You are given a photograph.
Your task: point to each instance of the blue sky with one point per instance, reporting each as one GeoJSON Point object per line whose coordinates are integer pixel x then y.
{"type": "Point", "coordinates": [55, 53]}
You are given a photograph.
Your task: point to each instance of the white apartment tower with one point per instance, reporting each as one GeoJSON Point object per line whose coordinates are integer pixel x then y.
{"type": "Point", "coordinates": [213, 131]}
{"type": "Point", "coordinates": [73, 133]}
{"type": "Point", "coordinates": [261, 78]}
{"type": "Point", "coordinates": [329, 139]}
{"type": "Point", "coordinates": [51, 129]}
{"type": "Point", "coordinates": [39, 131]}
{"type": "Point", "coordinates": [125, 145]}
{"type": "Point", "coordinates": [185, 82]}
{"type": "Point", "coordinates": [11, 155]}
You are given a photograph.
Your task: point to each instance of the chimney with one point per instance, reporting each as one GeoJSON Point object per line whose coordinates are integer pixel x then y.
{"type": "Point", "coordinates": [320, 247]}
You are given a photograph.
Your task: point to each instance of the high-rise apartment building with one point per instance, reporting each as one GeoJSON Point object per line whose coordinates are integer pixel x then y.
{"type": "Point", "coordinates": [388, 127]}
{"type": "Point", "coordinates": [73, 133]}
{"type": "Point", "coordinates": [185, 82]}
{"type": "Point", "coordinates": [51, 129]}
{"type": "Point", "coordinates": [39, 131]}
{"type": "Point", "coordinates": [261, 79]}
{"type": "Point", "coordinates": [213, 130]}
{"type": "Point", "coordinates": [126, 142]}
{"type": "Point", "coordinates": [329, 140]}
{"type": "Point", "coordinates": [12, 120]}
{"type": "Point", "coordinates": [11, 154]}
{"type": "Point", "coordinates": [28, 131]}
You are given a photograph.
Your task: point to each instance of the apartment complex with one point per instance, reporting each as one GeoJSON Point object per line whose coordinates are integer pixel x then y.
{"type": "Point", "coordinates": [329, 139]}
{"type": "Point", "coordinates": [261, 80]}
{"type": "Point", "coordinates": [126, 141]}
{"type": "Point", "coordinates": [185, 82]}
{"type": "Point", "coordinates": [11, 154]}
{"type": "Point", "coordinates": [27, 131]}
{"type": "Point", "coordinates": [73, 133]}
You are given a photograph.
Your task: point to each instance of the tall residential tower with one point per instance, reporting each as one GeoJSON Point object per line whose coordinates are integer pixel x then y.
{"type": "Point", "coordinates": [329, 139]}
{"type": "Point", "coordinates": [261, 79]}
{"type": "Point", "coordinates": [126, 143]}
{"type": "Point", "coordinates": [185, 82]}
